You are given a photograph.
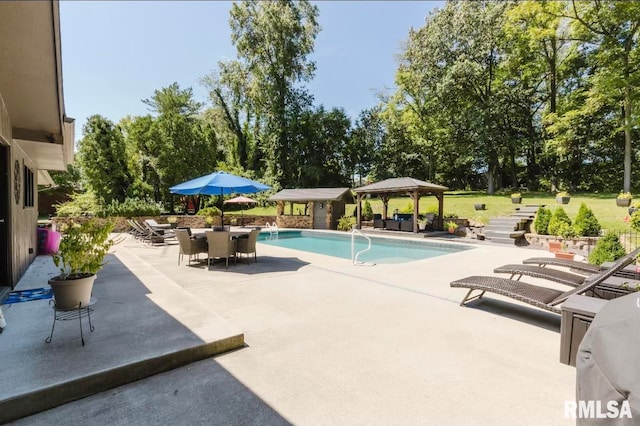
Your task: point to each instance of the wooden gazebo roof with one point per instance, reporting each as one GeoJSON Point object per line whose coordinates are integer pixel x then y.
{"type": "Point", "coordinates": [399, 185]}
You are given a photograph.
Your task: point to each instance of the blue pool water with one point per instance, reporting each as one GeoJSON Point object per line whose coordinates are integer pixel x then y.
{"type": "Point", "coordinates": [383, 250]}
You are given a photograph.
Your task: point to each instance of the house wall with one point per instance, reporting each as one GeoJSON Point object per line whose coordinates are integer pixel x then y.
{"type": "Point", "coordinates": [22, 222]}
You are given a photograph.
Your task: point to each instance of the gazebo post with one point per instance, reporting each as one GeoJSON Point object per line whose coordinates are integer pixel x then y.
{"type": "Point", "coordinates": [385, 206]}
{"type": "Point", "coordinates": [440, 197]}
{"type": "Point", "coordinates": [416, 208]}
{"type": "Point", "coordinates": [359, 211]}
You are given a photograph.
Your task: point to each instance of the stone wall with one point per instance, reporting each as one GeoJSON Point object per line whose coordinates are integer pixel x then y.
{"type": "Point", "coordinates": [298, 222]}
{"type": "Point", "coordinates": [579, 245]}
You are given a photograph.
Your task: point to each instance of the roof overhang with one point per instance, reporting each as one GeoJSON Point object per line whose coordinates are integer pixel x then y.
{"type": "Point", "coordinates": [401, 185]}
{"type": "Point", "coordinates": [31, 81]}
{"type": "Point", "coordinates": [314, 194]}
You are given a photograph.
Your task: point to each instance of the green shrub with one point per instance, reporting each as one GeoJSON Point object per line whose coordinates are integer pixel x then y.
{"type": "Point", "coordinates": [367, 211]}
{"type": "Point", "coordinates": [586, 224]}
{"type": "Point", "coordinates": [566, 231]}
{"type": "Point", "coordinates": [607, 249]}
{"type": "Point", "coordinates": [559, 216]}
{"type": "Point", "coordinates": [541, 223]}
{"type": "Point", "coordinates": [635, 221]}
{"type": "Point", "coordinates": [132, 207]}
{"type": "Point", "coordinates": [432, 208]}
{"type": "Point", "coordinates": [80, 204]}
{"type": "Point", "coordinates": [408, 209]}
{"type": "Point", "coordinates": [209, 212]}
{"type": "Point", "coordinates": [345, 223]}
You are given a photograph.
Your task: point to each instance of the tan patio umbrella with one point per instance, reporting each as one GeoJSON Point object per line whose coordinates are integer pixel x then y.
{"type": "Point", "coordinates": [241, 200]}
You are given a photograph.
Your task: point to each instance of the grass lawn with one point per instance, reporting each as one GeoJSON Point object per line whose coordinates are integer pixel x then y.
{"type": "Point", "coordinates": [461, 204]}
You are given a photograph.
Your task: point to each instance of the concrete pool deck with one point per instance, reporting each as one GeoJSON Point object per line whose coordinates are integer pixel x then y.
{"type": "Point", "coordinates": [332, 343]}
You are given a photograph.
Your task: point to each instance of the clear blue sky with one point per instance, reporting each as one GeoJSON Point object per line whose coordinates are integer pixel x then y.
{"type": "Point", "coordinates": [116, 53]}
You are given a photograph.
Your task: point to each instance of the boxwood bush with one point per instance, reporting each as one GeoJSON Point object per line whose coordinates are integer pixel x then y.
{"type": "Point", "coordinates": [541, 222]}
{"type": "Point", "coordinates": [607, 249]}
{"type": "Point", "coordinates": [559, 216]}
{"type": "Point", "coordinates": [586, 224]}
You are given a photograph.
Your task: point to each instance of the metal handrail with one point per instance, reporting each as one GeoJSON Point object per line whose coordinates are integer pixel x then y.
{"type": "Point", "coordinates": [354, 256]}
{"type": "Point", "coordinates": [273, 228]}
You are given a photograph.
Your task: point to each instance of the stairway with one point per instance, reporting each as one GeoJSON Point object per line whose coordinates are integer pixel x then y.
{"type": "Point", "coordinates": [511, 229]}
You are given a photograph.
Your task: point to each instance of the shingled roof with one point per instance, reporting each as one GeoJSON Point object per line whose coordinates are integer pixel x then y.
{"type": "Point", "coordinates": [397, 185]}
{"type": "Point", "coordinates": [314, 194]}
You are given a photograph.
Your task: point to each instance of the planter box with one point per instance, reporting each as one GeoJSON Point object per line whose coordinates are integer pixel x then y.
{"type": "Point", "coordinates": [515, 200]}
{"type": "Point", "coordinates": [563, 200]}
{"type": "Point", "coordinates": [479, 206]}
{"type": "Point", "coordinates": [632, 210]}
{"type": "Point", "coordinates": [623, 202]}
{"type": "Point", "coordinates": [555, 246]}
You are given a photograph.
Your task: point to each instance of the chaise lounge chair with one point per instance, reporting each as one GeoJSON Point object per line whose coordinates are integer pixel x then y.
{"type": "Point", "coordinates": [551, 274]}
{"type": "Point", "coordinates": [541, 297]}
{"type": "Point", "coordinates": [581, 267]}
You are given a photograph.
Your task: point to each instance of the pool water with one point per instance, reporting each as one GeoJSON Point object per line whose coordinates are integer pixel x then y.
{"type": "Point", "coordinates": [383, 250]}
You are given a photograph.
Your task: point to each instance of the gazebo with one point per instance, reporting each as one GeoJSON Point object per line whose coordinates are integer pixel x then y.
{"type": "Point", "coordinates": [404, 185]}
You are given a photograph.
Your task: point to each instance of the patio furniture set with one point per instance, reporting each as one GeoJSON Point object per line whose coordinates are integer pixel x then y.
{"type": "Point", "coordinates": [221, 244]}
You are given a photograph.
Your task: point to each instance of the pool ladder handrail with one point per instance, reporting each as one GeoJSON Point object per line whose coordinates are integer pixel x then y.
{"type": "Point", "coordinates": [273, 228]}
{"type": "Point", "coordinates": [354, 256]}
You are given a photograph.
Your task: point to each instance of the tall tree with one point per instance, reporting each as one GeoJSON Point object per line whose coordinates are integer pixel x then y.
{"type": "Point", "coordinates": [611, 32]}
{"type": "Point", "coordinates": [274, 40]}
{"type": "Point", "coordinates": [102, 159]}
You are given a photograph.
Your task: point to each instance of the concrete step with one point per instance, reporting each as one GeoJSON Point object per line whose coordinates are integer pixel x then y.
{"type": "Point", "coordinates": [145, 324]}
{"type": "Point", "coordinates": [503, 234]}
{"type": "Point", "coordinates": [509, 241]}
{"type": "Point", "coordinates": [505, 227]}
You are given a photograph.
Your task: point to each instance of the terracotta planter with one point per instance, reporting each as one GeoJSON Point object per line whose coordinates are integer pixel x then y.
{"type": "Point", "coordinates": [555, 246]}
{"type": "Point", "coordinates": [452, 230]}
{"type": "Point", "coordinates": [623, 202]}
{"type": "Point", "coordinates": [564, 255]}
{"type": "Point", "coordinates": [70, 293]}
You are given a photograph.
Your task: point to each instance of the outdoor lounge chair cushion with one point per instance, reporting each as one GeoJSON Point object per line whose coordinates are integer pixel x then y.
{"type": "Point", "coordinates": [607, 359]}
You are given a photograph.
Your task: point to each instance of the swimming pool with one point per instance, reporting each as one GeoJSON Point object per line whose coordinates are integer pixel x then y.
{"type": "Point", "coordinates": [383, 250]}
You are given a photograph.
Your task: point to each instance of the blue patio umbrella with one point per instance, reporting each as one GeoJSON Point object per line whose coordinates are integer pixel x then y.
{"type": "Point", "coordinates": [219, 183]}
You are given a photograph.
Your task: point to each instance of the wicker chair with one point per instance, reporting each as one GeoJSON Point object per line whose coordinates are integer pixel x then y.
{"type": "Point", "coordinates": [562, 277]}
{"type": "Point", "coordinates": [221, 246]}
{"type": "Point", "coordinates": [248, 245]}
{"type": "Point", "coordinates": [190, 246]}
{"type": "Point", "coordinates": [580, 267]}
{"type": "Point", "coordinates": [540, 297]}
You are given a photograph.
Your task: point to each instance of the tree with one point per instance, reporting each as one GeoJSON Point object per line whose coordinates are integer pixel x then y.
{"type": "Point", "coordinates": [102, 159]}
{"type": "Point", "coordinates": [273, 41]}
{"type": "Point", "coordinates": [610, 31]}
{"type": "Point", "coordinates": [184, 146]}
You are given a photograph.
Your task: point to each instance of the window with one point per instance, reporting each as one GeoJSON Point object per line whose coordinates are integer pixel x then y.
{"type": "Point", "coordinates": [28, 187]}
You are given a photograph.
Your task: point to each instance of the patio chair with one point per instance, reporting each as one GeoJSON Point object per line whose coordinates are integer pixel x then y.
{"type": "Point", "coordinates": [580, 267]}
{"type": "Point", "coordinates": [247, 245]}
{"type": "Point", "coordinates": [190, 246]}
{"type": "Point", "coordinates": [152, 223]}
{"type": "Point", "coordinates": [220, 246]}
{"type": "Point", "coordinates": [541, 297]}
{"type": "Point", "coordinates": [551, 274]}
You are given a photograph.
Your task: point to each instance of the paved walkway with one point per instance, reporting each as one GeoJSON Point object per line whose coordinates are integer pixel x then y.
{"type": "Point", "coordinates": [332, 343]}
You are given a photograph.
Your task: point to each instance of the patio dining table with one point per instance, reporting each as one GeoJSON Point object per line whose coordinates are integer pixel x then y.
{"type": "Point", "coordinates": [233, 234]}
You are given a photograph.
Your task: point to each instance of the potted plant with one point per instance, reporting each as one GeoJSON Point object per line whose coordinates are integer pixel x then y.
{"type": "Point", "coordinates": [563, 197]}
{"type": "Point", "coordinates": [516, 198]}
{"type": "Point", "coordinates": [623, 199]}
{"type": "Point", "coordinates": [209, 221]}
{"type": "Point", "coordinates": [451, 227]}
{"type": "Point", "coordinates": [634, 208]}
{"type": "Point", "coordinates": [479, 206]}
{"type": "Point", "coordinates": [173, 221]}
{"type": "Point", "coordinates": [422, 223]}
{"type": "Point", "coordinates": [80, 256]}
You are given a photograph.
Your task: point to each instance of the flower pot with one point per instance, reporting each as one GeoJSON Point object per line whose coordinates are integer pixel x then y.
{"type": "Point", "coordinates": [555, 246]}
{"type": "Point", "coordinates": [452, 230]}
{"type": "Point", "coordinates": [623, 202]}
{"type": "Point", "coordinates": [563, 200]}
{"type": "Point", "coordinates": [479, 206]}
{"type": "Point", "coordinates": [632, 210]}
{"type": "Point", "coordinates": [564, 255]}
{"type": "Point", "coordinates": [516, 200]}
{"type": "Point", "coordinates": [70, 293]}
